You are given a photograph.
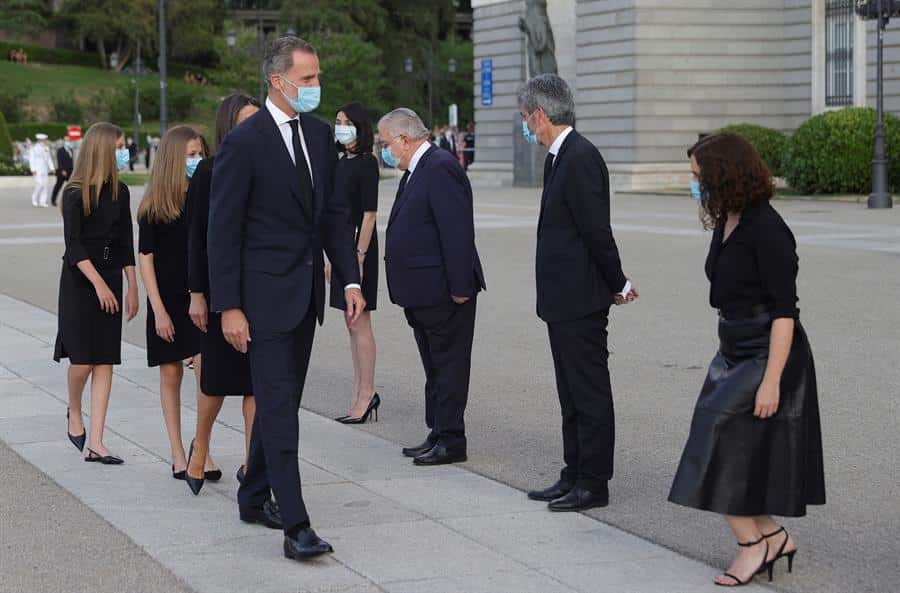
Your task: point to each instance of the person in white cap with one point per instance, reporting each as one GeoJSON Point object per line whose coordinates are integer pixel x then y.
{"type": "Point", "coordinates": [41, 164]}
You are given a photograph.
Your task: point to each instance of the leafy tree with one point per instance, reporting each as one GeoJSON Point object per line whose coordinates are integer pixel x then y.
{"type": "Point", "coordinates": [23, 17]}
{"type": "Point", "coordinates": [6, 148]}
{"type": "Point", "coordinates": [351, 71]}
{"type": "Point", "coordinates": [112, 25]}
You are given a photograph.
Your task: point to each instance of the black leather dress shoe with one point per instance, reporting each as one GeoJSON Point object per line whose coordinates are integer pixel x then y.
{"type": "Point", "coordinates": [267, 515]}
{"type": "Point", "coordinates": [555, 491]}
{"type": "Point", "coordinates": [418, 449]}
{"type": "Point", "coordinates": [306, 545]}
{"type": "Point", "coordinates": [580, 499]}
{"type": "Point", "coordinates": [439, 455]}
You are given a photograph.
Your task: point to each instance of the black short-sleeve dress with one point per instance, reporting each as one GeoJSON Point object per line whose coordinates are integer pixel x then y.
{"type": "Point", "coordinates": [167, 241]}
{"type": "Point", "coordinates": [225, 370]}
{"type": "Point", "coordinates": [735, 463]}
{"type": "Point", "coordinates": [356, 179]}
{"type": "Point", "coordinates": [88, 335]}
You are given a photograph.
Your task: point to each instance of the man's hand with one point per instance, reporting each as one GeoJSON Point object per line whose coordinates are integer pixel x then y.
{"type": "Point", "coordinates": [198, 311]}
{"type": "Point", "coordinates": [236, 329]}
{"type": "Point", "coordinates": [459, 300]}
{"type": "Point", "coordinates": [328, 272]}
{"type": "Point", "coordinates": [356, 304]}
{"type": "Point", "coordinates": [631, 296]}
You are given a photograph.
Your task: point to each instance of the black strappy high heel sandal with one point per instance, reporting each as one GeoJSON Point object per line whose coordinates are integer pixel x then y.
{"type": "Point", "coordinates": [94, 457]}
{"type": "Point", "coordinates": [781, 553]}
{"type": "Point", "coordinates": [762, 567]}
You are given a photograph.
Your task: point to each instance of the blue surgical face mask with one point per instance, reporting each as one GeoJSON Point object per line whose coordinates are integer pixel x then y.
{"type": "Point", "coordinates": [308, 97]}
{"type": "Point", "coordinates": [345, 134]}
{"type": "Point", "coordinates": [190, 165]}
{"type": "Point", "coordinates": [388, 157]}
{"type": "Point", "coordinates": [530, 137]}
{"type": "Point", "coordinates": [123, 157]}
{"type": "Point", "coordinates": [696, 192]}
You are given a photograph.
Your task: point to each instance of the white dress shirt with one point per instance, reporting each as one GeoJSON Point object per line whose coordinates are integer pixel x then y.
{"type": "Point", "coordinates": [283, 121]}
{"type": "Point", "coordinates": [416, 157]}
{"type": "Point", "coordinates": [554, 150]}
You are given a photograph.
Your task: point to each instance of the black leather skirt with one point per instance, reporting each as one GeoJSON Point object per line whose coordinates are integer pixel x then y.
{"type": "Point", "coordinates": [737, 464]}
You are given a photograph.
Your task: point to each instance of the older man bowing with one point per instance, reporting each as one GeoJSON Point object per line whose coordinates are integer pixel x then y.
{"type": "Point", "coordinates": [579, 276]}
{"type": "Point", "coordinates": [434, 273]}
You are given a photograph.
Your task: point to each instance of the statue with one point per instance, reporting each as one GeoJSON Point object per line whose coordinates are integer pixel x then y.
{"type": "Point", "coordinates": [541, 48]}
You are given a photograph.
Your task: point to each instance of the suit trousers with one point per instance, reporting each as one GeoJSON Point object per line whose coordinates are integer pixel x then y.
{"type": "Point", "coordinates": [278, 362]}
{"type": "Point", "coordinates": [580, 357]}
{"type": "Point", "coordinates": [444, 335]}
{"type": "Point", "coordinates": [41, 193]}
{"type": "Point", "coordinates": [60, 181]}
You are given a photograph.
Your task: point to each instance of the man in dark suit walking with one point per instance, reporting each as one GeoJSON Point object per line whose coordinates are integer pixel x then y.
{"type": "Point", "coordinates": [272, 211]}
{"type": "Point", "coordinates": [434, 273]}
{"type": "Point", "coordinates": [64, 165]}
{"type": "Point", "coordinates": [579, 276]}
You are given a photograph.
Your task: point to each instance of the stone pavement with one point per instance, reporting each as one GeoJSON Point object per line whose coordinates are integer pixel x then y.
{"type": "Point", "coordinates": [395, 527]}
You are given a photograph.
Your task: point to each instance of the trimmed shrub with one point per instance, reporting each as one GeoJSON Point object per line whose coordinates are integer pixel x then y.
{"type": "Point", "coordinates": [768, 143]}
{"type": "Point", "coordinates": [46, 55]}
{"type": "Point", "coordinates": [22, 131]}
{"type": "Point", "coordinates": [8, 168]}
{"type": "Point", "coordinates": [6, 147]}
{"type": "Point", "coordinates": [11, 102]}
{"type": "Point", "coordinates": [832, 152]}
{"type": "Point", "coordinates": [67, 109]}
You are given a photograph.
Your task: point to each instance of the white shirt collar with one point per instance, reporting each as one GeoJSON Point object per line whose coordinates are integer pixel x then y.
{"type": "Point", "coordinates": [557, 144]}
{"type": "Point", "coordinates": [278, 115]}
{"type": "Point", "coordinates": [414, 161]}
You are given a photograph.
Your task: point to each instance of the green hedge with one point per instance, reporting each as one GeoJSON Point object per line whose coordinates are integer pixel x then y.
{"type": "Point", "coordinates": [768, 143]}
{"type": "Point", "coordinates": [22, 131]}
{"type": "Point", "coordinates": [45, 55]}
{"type": "Point", "coordinates": [8, 168]}
{"type": "Point", "coordinates": [6, 148]}
{"type": "Point", "coordinates": [832, 152]}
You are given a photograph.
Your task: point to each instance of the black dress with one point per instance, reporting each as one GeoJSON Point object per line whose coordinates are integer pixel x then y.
{"type": "Point", "coordinates": [734, 463]}
{"type": "Point", "coordinates": [168, 243]}
{"type": "Point", "coordinates": [357, 180]}
{"type": "Point", "coordinates": [225, 370]}
{"type": "Point", "coordinates": [88, 335]}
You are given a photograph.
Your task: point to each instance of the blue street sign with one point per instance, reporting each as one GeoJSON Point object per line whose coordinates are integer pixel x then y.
{"type": "Point", "coordinates": [487, 82]}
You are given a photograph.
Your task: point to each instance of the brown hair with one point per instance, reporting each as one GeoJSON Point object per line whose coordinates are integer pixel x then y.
{"type": "Point", "coordinates": [732, 176]}
{"type": "Point", "coordinates": [96, 164]}
{"type": "Point", "coordinates": [164, 198]}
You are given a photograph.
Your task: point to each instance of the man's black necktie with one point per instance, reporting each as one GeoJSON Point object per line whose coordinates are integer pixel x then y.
{"type": "Point", "coordinates": [403, 181]}
{"type": "Point", "coordinates": [306, 187]}
{"type": "Point", "coordinates": [548, 167]}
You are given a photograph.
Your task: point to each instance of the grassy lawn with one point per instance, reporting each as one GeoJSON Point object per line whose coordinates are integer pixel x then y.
{"type": "Point", "coordinates": [137, 179]}
{"type": "Point", "coordinates": [45, 82]}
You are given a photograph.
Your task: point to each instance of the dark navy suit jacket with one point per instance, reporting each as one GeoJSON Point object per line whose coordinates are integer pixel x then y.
{"type": "Point", "coordinates": [265, 246]}
{"type": "Point", "coordinates": [430, 250]}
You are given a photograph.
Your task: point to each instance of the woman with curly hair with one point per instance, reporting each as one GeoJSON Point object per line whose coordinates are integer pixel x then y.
{"type": "Point", "coordinates": [755, 444]}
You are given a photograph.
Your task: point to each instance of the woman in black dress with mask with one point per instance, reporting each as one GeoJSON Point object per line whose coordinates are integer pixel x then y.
{"type": "Point", "coordinates": [224, 371]}
{"type": "Point", "coordinates": [755, 444]}
{"type": "Point", "coordinates": [356, 176]}
{"type": "Point", "coordinates": [99, 245]}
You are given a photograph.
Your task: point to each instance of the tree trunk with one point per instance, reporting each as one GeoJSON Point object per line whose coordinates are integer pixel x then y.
{"type": "Point", "coordinates": [101, 48]}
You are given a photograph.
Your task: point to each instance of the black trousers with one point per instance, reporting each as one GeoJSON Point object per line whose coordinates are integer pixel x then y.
{"type": "Point", "coordinates": [278, 363]}
{"type": "Point", "coordinates": [60, 181]}
{"type": "Point", "coordinates": [580, 357]}
{"type": "Point", "coordinates": [444, 336]}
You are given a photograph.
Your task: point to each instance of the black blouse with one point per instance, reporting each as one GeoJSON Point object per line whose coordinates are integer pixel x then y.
{"type": "Point", "coordinates": [105, 236]}
{"type": "Point", "coordinates": [357, 179]}
{"type": "Point", "coordinates": [167, 241]}
{"type": "Point", "coordinates": [757, 265]}
{"type": "Point", "coordinates": [197, 209]}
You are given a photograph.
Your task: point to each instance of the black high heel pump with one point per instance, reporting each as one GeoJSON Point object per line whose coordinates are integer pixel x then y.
{"type": "Point", "coordinates": [77, 439]}
{"type": "Point", "coordinates": [195, 484]}
{"type": "Point", "coordinates": [372, 409]}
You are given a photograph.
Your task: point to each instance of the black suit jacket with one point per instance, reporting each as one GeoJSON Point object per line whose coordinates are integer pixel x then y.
{"type": "Point", "coordinates": [264, 244]}
{"type": "Point", "coordinates": [63, 161]}
{"type": "Point", "coordinates": [429, 250]}
{"type": "Point", "coordinates": [577, 264]}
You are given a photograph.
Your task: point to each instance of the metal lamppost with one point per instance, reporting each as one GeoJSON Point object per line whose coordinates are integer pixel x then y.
{"type": "Point", "coordinates": [163, 74]}
{"type": "Point", "coordinates": [429, 75]}
{"type": "Point", "coordinates": [881, 11]}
